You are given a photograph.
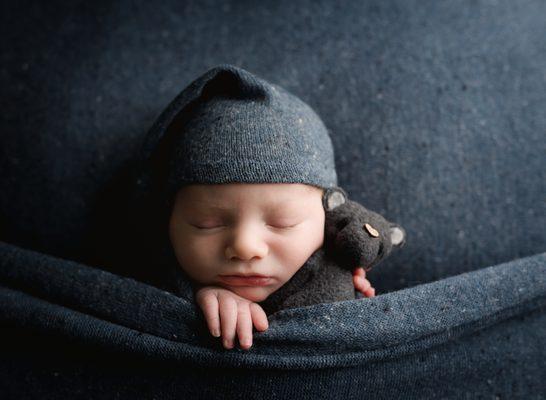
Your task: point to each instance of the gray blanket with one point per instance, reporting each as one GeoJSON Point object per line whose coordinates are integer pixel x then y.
{"type": "Point", "coordinates": [478, 330]}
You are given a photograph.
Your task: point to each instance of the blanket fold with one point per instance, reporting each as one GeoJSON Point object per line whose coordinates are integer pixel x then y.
{"type": "Point", "coordinates": [49, 295]}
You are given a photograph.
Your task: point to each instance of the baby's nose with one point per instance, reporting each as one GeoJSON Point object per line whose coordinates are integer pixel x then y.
{"type": "Point", "coordinates": [246, 249]}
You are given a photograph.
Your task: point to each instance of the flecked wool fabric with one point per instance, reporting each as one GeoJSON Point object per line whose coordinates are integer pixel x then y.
{"type": "Point", "coordinates": [436, 113]}
{"type": "Point", "coordinates": [240, 128]}
{"type": "Point", "coordinates": [70, 330]}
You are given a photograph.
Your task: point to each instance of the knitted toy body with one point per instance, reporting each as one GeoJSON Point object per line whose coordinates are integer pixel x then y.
{"type": "Point", "coordinates": [319, 280]}
{"type": "Point", "coordinates": [354, 237]}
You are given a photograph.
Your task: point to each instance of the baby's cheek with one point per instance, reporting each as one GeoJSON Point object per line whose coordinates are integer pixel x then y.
{"type": "Point", "coordinates": [195, 257]}
{"type": "Point", "coordinates": [300, 247]}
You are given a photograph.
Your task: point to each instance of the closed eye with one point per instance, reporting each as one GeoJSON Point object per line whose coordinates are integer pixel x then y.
{"type": "Point", "coordinates": [207, 227]}
{"type": "Point", "coordinates": [283, 226]}
{"type": "Point", "coordinates": [221, 226]}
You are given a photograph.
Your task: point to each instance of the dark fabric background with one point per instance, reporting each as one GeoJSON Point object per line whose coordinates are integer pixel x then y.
{"type": "Point", "coordinates": [436, 111]}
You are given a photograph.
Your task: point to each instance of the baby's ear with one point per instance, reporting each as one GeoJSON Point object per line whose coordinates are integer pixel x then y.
{"type": "Point", "coordinates": [333, 197]}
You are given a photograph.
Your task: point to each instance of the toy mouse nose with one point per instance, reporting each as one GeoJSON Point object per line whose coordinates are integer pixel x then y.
{"type": "Point", "coordinates": [398, 235]}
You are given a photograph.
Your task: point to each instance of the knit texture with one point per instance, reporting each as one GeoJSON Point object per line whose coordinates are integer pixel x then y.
{"type": "Point", "coordinates": [71, 330]}
{"type": "Point", "coordinates": [240, 128]}
{"type": "Point", "coordinates": [320, 280]}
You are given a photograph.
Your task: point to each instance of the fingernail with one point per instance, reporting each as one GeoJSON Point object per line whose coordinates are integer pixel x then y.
{"type": "Point", "coordinates": [227, 343]}
{"type": "Point", "coordinates": [215, 333]}
{"type": "Point", "coordinates": [246, 345]}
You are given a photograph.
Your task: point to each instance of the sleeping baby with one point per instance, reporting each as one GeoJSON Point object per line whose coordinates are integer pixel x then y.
{"type": "Point", "coordinates": [256, 220]}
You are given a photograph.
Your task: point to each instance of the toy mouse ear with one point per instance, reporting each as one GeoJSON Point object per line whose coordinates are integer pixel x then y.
{"type": "Point", "coordinates": [333, 197]}
{"type": "Point", "coordinates": [398, 235]}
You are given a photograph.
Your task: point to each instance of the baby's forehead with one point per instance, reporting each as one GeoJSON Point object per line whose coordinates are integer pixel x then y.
{"type": "Point", "coordinates": [236, 193]}
{"type": "Point", "coordinates": [288, 189]}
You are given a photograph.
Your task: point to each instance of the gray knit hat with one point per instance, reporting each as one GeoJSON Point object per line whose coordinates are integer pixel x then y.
{"type": "Point", "coordinates": [225, 126]}
{"type": "Point", "coordinates": [236, 127]}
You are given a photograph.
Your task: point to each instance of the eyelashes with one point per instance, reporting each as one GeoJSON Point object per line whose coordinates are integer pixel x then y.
{"type": "Point", "coordinates": [284, 227]}
{"type": "Point", "coordinates": [221, 226]}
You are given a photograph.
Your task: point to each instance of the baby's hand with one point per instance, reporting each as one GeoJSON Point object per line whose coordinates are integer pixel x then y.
{"type": "Point", "coordinates": [232, 312]}
{"type": "Point", "coordinates": [361, 283]}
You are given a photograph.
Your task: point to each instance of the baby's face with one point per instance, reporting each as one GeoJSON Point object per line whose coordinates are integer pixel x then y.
{"type": "Point", "coordinates": [246, 229]}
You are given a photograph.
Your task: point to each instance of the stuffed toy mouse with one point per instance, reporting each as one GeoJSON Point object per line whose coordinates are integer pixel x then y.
{"type": "Point", "coordinates": [354, 237]}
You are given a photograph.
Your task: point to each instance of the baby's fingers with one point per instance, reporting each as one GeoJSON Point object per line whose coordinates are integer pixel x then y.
{"type": "Point", "coordinates": [259, 317]}
{"type": "Point", "coordinates": [249, 314]}
{"type": "Point", "coordinates": [209, 304]}
{"type": "Point", "coordinates": [359, 271]}
{"type": "Point", "coordinates": [361, 284]}
{"type": "Point", "coordinates": [244, 326]}
{"type": "Point", "coordinates": [228, 320]}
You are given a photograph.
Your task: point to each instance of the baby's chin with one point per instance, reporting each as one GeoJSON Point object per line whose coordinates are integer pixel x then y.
{"type": "Point", "coordinates": [252, 293]}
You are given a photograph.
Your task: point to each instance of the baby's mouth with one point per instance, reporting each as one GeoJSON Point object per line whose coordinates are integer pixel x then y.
{"type": "Point", "coordinates": [247, 280]}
